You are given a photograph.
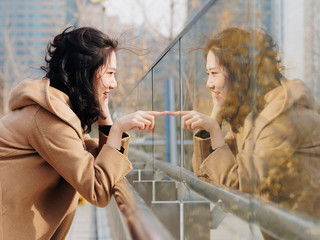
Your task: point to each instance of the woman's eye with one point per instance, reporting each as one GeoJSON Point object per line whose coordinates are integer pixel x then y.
{"type": "Point", "coordinates": [212, 73]}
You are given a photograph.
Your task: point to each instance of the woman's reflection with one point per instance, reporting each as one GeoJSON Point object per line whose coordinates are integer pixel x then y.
{"type": "Point", "coordinates": [273, 146]}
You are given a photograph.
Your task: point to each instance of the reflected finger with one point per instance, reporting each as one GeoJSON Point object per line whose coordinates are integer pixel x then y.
{"type": "Point", "coordinates": [178, 113]}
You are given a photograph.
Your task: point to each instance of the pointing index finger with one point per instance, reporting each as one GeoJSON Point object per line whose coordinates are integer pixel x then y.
{"type": "Point", "coordinates": [178, 113]}
{"type": "Point", "coordinates": [156, 113]}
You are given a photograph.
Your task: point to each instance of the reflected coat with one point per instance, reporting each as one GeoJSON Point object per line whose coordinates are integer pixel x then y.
{"type": "Point", "coordinates": [276, 156]}
{"type": "Point", "coordinates": [46, 161]}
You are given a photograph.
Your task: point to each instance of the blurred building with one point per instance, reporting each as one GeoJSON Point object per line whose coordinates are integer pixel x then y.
{"type": "Point", "coordinates": [312, 44]}
{"type": "Point", "coordinates": [26, 27]}
{"type": "Point", "coordinates": [299, 39]}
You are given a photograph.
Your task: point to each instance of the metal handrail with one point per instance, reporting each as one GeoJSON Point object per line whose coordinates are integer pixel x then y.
{"type": "Point", "coordinates": [271, 218]}
{"type": "Point", "coordinates": [142, 223]}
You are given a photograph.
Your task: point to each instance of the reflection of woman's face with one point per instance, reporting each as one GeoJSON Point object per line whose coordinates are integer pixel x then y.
{"type": "Point", "coordinates": [217, 79]}
{"type": "Point", "coordinates": [105, 79]}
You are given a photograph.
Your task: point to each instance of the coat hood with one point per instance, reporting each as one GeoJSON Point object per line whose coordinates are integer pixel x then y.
{"type": "Point", "coordinates": [39, 92]}
{"type": "Point", "coordinates": [291, 92]}
{"type": "Point", "coordinates": [278, 100]}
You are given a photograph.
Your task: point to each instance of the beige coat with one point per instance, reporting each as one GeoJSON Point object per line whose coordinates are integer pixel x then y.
{"type": "Point", "coordinates": [276, 157]}
{"type": "Point", "coordinates": [45, 161]}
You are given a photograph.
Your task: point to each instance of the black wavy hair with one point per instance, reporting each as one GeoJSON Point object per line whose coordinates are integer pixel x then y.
{"type": "Point", "coordinates": [72, 59]}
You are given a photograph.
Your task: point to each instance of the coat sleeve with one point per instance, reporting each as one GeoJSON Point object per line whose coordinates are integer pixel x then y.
{"type": "Point", "coordinates": [61, 146]}
{"type": "Point", "coordinates": [217, 167]}
{"type": "Point", "coordinates": [256, 163]}
{"type": "Point", "coordinates": [91, 144]}
{"type": "Point", "coordinates": [94, 145]}
{"type": "Point", "coordinates": [103, 137]}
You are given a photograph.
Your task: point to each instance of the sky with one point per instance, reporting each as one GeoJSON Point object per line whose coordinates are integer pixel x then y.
{"type": "Point", "coordinates": [157, 12]}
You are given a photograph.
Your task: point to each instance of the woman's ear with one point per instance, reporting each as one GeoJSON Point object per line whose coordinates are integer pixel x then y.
{"type": "Point", "coordinates": [97, 73]}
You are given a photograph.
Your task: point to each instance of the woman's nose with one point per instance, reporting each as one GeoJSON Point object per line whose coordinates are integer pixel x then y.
{"type": "Point", "coordinates": [210, 83]}
{"type": "Point", "coordinates": [114, 83]}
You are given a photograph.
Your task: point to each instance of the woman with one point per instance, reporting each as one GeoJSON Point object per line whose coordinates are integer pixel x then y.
{"type": "Point", "coordinates": [273, 146]}
{"type": "Point", "coordinates": [46, 155]}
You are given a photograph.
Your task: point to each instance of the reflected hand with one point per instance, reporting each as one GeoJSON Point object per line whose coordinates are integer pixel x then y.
{"type": "Point", "coordinates": [194, 120]}
{"type": "Point", "coordinates": [216, 111]}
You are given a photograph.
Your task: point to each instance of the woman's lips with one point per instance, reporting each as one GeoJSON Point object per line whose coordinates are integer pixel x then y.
{"type": "Point", "coordinates": [216, 94]}
{"type": "Point", "coordinates": [105, 94]}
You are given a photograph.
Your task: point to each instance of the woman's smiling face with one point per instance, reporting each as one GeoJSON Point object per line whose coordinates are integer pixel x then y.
{"type": "Point", "coordinates": [105, 80]}
{"type": "Point", "coordinates": [217, 81]}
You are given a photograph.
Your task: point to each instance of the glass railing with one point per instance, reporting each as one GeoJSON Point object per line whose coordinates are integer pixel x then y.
{"type": "Point", "coordinates": [264, 182]}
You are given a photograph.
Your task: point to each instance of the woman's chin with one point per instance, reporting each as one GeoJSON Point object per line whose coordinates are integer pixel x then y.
{"type": "Point", "coordinates": [217, 101]}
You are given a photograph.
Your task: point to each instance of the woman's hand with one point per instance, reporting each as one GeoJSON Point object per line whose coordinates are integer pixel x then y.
{"type": "Point", "coordinates": [216, 111]}
{"type": "Point", "coordinates": [142, 120]}
{"type": "Point", "coordinates": [106, 112]}
{"type": "Point", "coordinates": [194, 120]}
